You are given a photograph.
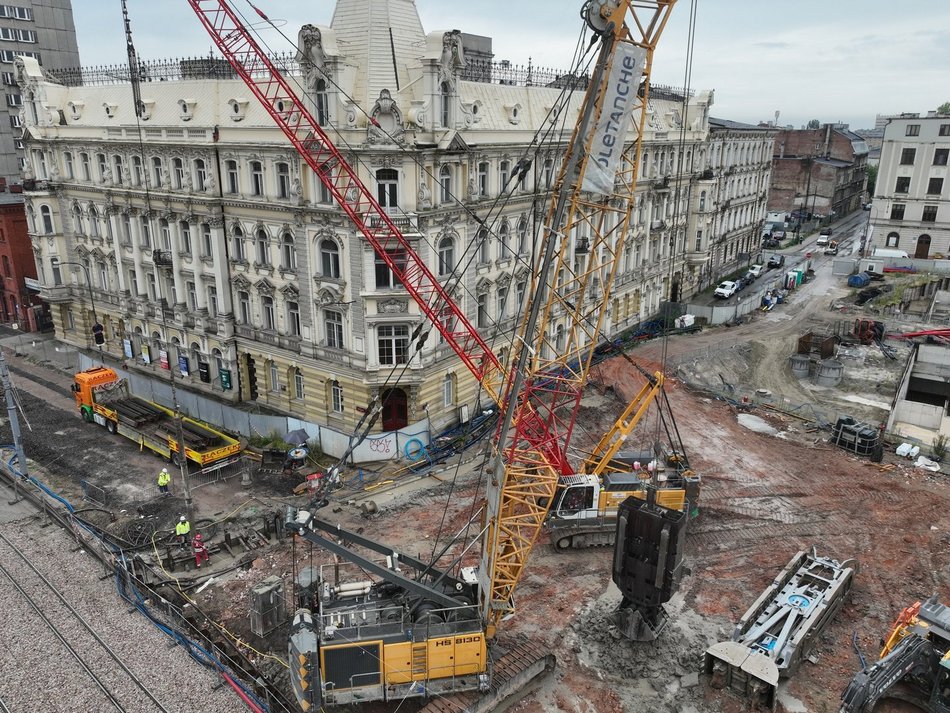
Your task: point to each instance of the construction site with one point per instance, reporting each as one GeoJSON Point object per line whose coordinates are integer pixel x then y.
{"type": "Point", "coordinates": [750, 516]}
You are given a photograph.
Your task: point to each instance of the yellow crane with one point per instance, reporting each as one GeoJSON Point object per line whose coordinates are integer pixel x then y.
{"type": "Point", "coordinates": [384, 634]}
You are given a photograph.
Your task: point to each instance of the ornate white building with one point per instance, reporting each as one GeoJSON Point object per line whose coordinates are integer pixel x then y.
{"type": "Point", "coordinates": [204, 238]}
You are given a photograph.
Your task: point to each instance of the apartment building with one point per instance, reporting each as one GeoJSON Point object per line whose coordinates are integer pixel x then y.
{"type": "Point", "coordinates": [43, 30]}
{"type": "Point", "coordinates": [215, 252]}
{"type": "Point", "coordinates": [911, 207]}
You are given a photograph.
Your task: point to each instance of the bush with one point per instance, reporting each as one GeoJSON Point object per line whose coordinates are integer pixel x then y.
{"type": "Point", "coordinates": [940, 447]}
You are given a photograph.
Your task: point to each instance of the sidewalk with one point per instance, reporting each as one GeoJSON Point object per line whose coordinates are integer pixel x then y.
{"type": "Point", "coordinates": [41, 348]}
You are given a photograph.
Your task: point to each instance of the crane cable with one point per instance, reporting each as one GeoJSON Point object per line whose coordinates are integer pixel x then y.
{"type": "Point", "coordinates": [418, 337]}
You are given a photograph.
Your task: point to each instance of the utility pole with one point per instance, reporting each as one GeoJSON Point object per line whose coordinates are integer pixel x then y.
{"type": "Point", "coordinates": [14, 427]}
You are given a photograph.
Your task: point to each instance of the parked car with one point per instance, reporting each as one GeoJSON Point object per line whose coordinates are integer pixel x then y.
{"type": "Point", "coordinates": [756, 271]}
{"type": "Point", "coordinates": [824, 237]}
{"type": "Point", "coordinates": [741, 284]}
{"type": "Point", "coordinates": [867, 206]}
{"type": "Point", "coordinates": [726, 289]}
{"type": "Point", "coordinates": [776, 261]}
{"type": "Point", "coordinates": [832, 248]}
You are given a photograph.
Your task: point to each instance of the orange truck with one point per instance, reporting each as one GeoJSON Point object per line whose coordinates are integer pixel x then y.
{"type": "Point", "coordinates": [103, 397]}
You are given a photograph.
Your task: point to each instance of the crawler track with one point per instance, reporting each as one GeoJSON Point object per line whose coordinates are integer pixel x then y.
{"type": "Point", "coordinates": [55, 626]}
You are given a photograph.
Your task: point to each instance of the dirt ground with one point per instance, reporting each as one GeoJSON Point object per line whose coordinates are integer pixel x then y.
{"type": "Point", "coordinates": [771, 486]}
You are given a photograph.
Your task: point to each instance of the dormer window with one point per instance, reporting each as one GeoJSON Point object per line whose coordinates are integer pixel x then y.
{"type": "Point", "coordinates": [110, 109]}
{"type": "Point", "coordinates": [75, 109]}
{"type": "Point", "coordinates": [238, 109]}
{"type": "Point", "coordinates": [186, 108]}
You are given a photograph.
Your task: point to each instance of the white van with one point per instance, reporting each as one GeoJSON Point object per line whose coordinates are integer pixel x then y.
{"type": "Point", "coordinates": [890, 252]}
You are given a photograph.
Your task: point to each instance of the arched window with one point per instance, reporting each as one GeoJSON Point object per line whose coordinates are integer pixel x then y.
{"type": "Point", "coordinates": [282, 170]}
{"type": "Point", "coordinates": [137, 173]}
{"type": "Point", "coordinates": [329, 259]}
{"type": "Point", "coordinates": [288, 253]}
{"type": "Point", "coordinates": [445, 184]}
{"type": "Point", "coordinates": [93, 222]}
{"type": "Point", "coordinates": [336, 397]}
{"type": "Point", "coordinates": [267, 312]}
{"type": "Point", "coordinates": [178, 173]}
{"type": "Point", "coordinates": [448, 390]}
{"type": "Point", "coordinates": [446, 255]}
{"type": "Point", "coordinates": [257, 178]}
{"type": "Point", "coordinates": [504, 173]}
{"type": "Point", "coordinates": [117, 167]}
{"type": "Point", "coordinates": [201, 174]}
{"type": "Point", "coordinates": [484, 249]}
{"type": "Point", "coordinates": [46, 216]}
{"type": "Point", "coordinates": [893, 239]}
{"type": "Point", "coordinates": [298, 383]}
{"type": "Point", "coordinates": [195, 355]}
{"type": "Point", "coordinates": [702, 200]}
{"type": "Point", "coordinates": [218, 359]}
{"type": "Point", "coordinates": [31, 218]}
{"type": "Point", "coordinates": [274, 377]}
{"type": "Point", "coordinates": [445, 94]}
{"type": "Point", "coordinates": [523, 236]}
{"type": "Point", "coordinates": [77, 220]}
{"type": "Point", "coordinates": [263, 249]}
{"type": "Point", "coordinates": [504, 241]}
{"type": "Point", "coordinates": [322, 102]}
{"type": "Point", "coordinates": [237, 243]}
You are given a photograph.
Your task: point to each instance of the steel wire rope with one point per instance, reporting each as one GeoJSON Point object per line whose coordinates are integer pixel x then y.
{"type": "Point", "coordinates": [456, 275]}
{"type": "Point", "coordinates": [681, 213]}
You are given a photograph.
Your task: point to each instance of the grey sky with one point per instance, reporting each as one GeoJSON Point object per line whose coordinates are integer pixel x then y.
{"type": "Point", "coordinates": [834, 60]}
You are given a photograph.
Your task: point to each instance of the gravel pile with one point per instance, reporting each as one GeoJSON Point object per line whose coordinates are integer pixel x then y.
{"type": "Point", "coordinates": [40, 675]}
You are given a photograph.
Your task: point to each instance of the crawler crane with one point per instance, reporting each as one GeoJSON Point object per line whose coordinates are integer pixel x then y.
{"type": "Point", "coordinates": [387, 635]}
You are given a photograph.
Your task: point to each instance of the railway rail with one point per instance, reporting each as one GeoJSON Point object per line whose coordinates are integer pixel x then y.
{"type": "Point", "coordinates": [120, 687]}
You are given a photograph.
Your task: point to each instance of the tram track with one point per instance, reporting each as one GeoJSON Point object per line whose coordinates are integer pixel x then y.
{"type": "Point", "coordinates": [115, 684]}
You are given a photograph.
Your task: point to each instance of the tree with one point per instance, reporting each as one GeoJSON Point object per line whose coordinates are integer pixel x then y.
{"type": "Point", "coordinates": [813, 124]}
{"type": "Point", "coordinates": [944, 108]}
{"type": "Point", "coordinates": [872, 180]}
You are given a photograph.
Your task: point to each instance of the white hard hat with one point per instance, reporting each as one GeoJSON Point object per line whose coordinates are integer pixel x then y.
{"type": "Point", "coordinates": [181, 519]}
{"type": "Point", "coordinates": [164, 470]}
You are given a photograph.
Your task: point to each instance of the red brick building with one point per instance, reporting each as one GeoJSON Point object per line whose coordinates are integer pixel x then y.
{"type": "Point", "coordinates": [19, 304]}
{"type": "Point", "coordinates": [821, 171]}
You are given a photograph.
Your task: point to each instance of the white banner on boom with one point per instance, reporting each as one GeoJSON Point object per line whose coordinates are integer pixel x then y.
{"type": "Point", "coordinates": [611, 130]}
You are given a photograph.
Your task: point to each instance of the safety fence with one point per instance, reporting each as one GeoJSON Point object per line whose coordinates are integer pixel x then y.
{"type": "Point", "coordinates": [169, 608]}
{"type": "Point", "coordinates": [221, 472]}
{"type": "Point", "coordinates": [93, 493]}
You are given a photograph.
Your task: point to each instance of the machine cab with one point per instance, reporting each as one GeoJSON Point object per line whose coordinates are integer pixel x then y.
{"type": "Point", "coordinates": [577, 497]}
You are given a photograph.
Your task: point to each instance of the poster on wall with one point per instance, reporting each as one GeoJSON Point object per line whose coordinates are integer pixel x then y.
{"type": "Point", "coordinates": [163, 359]}
{"type": "Point", "coordinates": [146, 354]}
{"type": "Point", "coordinates": [127, 348]}
{"type": "Point", "coordinates": [183, 365]}
{"type": "Point", "coordinates": [225, 375]}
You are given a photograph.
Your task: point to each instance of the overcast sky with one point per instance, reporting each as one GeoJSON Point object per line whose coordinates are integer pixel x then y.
{"type": "Point", "coordinates": [833, 60]}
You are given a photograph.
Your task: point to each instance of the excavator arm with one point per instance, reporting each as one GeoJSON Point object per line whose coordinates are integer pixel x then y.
{"type": "Point", "coordinates": [912, 657]}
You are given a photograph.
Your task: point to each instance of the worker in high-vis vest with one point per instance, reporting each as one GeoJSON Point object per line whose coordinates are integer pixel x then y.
{"type": "Point", "coordinates": [164, 478]}
{"type": "Point", "coordinates": [182, 530]}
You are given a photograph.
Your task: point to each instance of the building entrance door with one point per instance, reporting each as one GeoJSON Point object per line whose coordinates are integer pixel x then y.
{"type": "Point", "coordinates": [395, 409]}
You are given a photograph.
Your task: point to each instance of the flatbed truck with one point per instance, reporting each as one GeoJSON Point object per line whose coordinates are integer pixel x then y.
{"type": "Point", "coordinates": [103, 397]}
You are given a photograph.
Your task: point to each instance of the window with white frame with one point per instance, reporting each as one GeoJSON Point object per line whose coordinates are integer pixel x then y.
{"type": "Point", "coordinates": [103, 166]}
{"type": "Point", "coordinates": [333, 326]}
{"type": "Point", "coordinates": [504, 174]}
{"type": "Point", "coordinates": [263, 248]}
{"type": "Point", "coordinates": [329, 259]}
{"type": "Point", "coordinates": [448, 390]}
{"type": "Point", "coordinates": [192, 293]}
{"type": "Point", "coordinates": [244, 306]}
{"type": "Point", "coordinates": [94, 230]}
{"type": "Point", "coordinates": [393, 344]}
{"type": "Point", "coordinates": [207, 241]}
{"type": "Point", "coordinates": [523, 236]}
{"type": "Point", "coordinates": [298, 384]}
{"type": "Point", "coordinates": [504, 240]}
{"type": "Point", "coordinates": [274, 377]}
{"type": "Point", "coordinates": [446, 255]}
{"type": "Point", "coordinates": [178, 173]}
{"type": "Point", "coordinates": [267, 312]}
{"type": "Point", "coordinates": [46, 217]}
{"type": "Point", "coordinates": [484, 249]}
{"type": "Point", "coordinates": [293, 319]}
{"type": "Point", "coordinates": [237, 244]}
{"type": "Point", "coordinates": [288, 253]}
{"type": "Point", "coordinates": [117, 170]}
{"type": "Point", "coordinates": [157, 170]}
{"type": "Point", "coordinates": [445, 95]}
{"type": "Point", "coordinates": [184, 229]}
{"type": "Point", "coordinates": [483, 178]}
{"type": "Point", "coordinates": [481, 310]}
{"type": "Point", "coordinates": [336, 397]}
{"type": "Point", "coordinates": [257, 178]}
{"type": "Point", "coordinates": [201, 175]}
{"type": "Point", "coordinates": [502, 302]}
{"type": "Point", "coordinates": [387, 184]}
{"type": "Point", "coordinates": [282, 170]}
{"type": "Point", "coordinates": [445, 184]}
{"type": "Point", "coordinates": [322, 102]}
{"type": "Point", "coordinates": [164, 234]}
{"type": "Point", "coordinates": [68, 165]}
{"type": "Point", "coordinates": [213, 301]}
{"type": "Point", "coordinates": [137, 173]}
{"type": "Point", "coordinates": [146, 232]}
{"type": "Point", "coordinates": [231, 174]}
{"type": "Point", "coordinates": [386, 278]}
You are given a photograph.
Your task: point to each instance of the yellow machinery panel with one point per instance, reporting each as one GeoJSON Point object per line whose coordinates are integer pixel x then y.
{"type": "Point", "coordinates": [670, 498]}
{"type": "Point", "coordinates": [459, 655]}
{"type": "Point", "coordinates": [397, 663]}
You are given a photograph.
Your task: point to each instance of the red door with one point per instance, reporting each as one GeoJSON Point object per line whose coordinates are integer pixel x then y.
{"type": "Point", "coordinates": [395, 410]}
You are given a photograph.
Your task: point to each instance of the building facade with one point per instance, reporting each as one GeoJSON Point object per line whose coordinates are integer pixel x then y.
{"type": "Point", "coordinates": [819, 171]}
{"type": "Point", "coordinates": [43, 30]}
{"type": "Point", "coordinates": [19, 299]}
{"type": "Point", "coordinates": [215, 252]}
{"type": "Point", "coordinates": [911, 207]}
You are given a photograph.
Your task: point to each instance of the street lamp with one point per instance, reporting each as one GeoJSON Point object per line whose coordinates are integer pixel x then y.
{"type": "Point", "coordinates": [97, 329]}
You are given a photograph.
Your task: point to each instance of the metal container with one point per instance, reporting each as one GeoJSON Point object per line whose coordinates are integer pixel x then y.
{"type": "Point", "coordinates": [830, 372]}
{"type": "Point", "coordinates": [800, 364]}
